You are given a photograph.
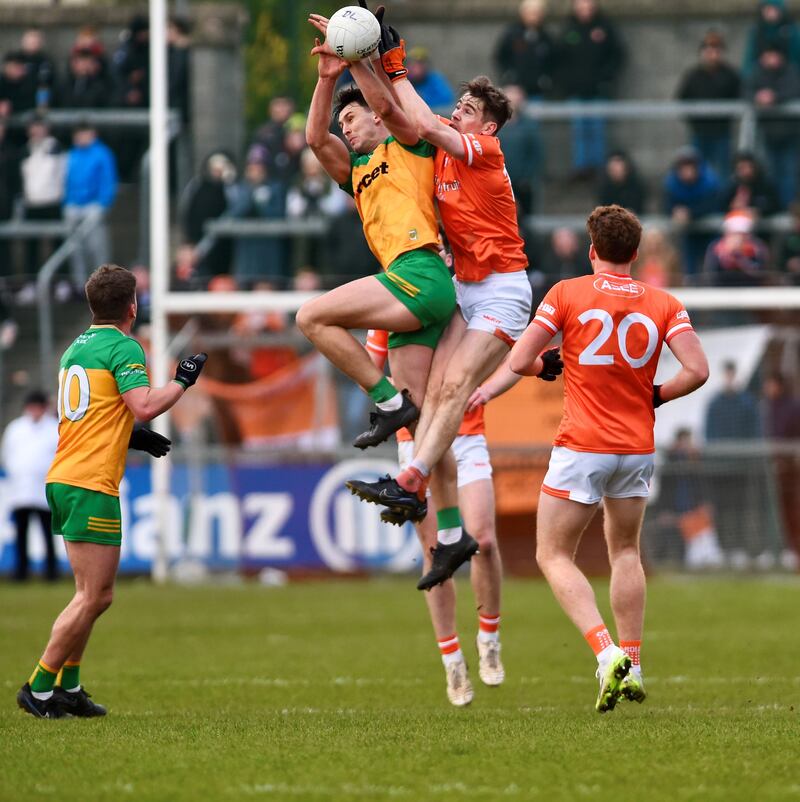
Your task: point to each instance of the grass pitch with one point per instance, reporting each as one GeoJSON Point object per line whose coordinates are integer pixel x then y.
{"type": "Point", "coordinates": [335, 691]}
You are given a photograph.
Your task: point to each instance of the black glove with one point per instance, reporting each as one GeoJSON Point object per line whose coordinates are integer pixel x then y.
{"type": "Point", "coordinates": [552, 366]}
{"type": "Point", "coordinates": [657, 399]}
{"type": "Point", "coordinates": [188, 369]}
{"type": "Point", "coordinates": [155, 444]}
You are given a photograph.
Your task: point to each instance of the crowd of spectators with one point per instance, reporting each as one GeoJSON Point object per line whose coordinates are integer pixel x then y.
{"type": "Point", "coordinates": [72, 174]}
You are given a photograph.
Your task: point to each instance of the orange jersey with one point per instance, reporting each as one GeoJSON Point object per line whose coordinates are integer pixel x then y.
{"type": "Point", "coordinates": [378, 346]}
{"type": "Point", "coordinates": [476, 204]}
{"type": "Point", "coordinates": [613, 330]}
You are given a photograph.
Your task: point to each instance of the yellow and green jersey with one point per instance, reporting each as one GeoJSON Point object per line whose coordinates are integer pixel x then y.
{"type": "Point", "coordinates": [393, 191]}
{"type": "Point", "coordinates": [94, 423]}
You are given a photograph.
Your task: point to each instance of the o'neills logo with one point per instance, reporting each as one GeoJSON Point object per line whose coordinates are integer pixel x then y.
{"type": "Point", "coordinates": [618, 287]}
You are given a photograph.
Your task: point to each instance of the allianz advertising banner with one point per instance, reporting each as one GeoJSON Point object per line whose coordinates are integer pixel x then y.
{"type": "Point", "coordinates": [228, 517]}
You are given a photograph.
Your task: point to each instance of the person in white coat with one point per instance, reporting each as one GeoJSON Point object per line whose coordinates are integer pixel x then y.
{"type": "Point", "coordinates": [27, 449]}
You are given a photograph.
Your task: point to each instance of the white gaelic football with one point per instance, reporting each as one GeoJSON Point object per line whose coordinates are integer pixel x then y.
{"type": "Point", "coordinates": [353, 33]}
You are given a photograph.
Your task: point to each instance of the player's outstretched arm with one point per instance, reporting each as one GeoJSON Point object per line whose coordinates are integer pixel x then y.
{"type": "Point", "coordinates": [524, 358]}
{"type": "Point", "coordinates": [330, 151]}
{"type": "Point", "coordinates": [689, 352]}
{"type": "Point", "coordinates": [428, 126]}
{"type": "Point", "coordinates": [383, 103]}
{"type": "Point", "coordinates": [147, 403]}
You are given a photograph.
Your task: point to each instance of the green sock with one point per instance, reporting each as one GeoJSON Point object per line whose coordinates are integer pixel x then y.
{"type": "Point", "coordinates": [70, 676]}
{"type": "Point", "coordinates": [382, 391]}
{"type": "Point", "coordinates": [43, 678]}
{"type": "Point", "coordinates": [448, 518]}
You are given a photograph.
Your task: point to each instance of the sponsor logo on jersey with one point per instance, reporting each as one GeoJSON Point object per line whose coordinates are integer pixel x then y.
{"type": "Point", "coordinates": [367, 179]}
{"type": "Point", "coordinates": [618, 288]}
{"type": "Point", "coordinates": [551, 310]}
{"type": "Point", "coordinates": [477, 145]}
{"type": "Point", "coordinates": [446, 186]}
{"type": "Point", "coordinates": [683, 315]}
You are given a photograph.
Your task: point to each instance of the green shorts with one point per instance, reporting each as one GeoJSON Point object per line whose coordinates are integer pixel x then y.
{"type": "Point", "coordinates": [85, 515]}
{"type": "Point", "coordinates": [421, 281]}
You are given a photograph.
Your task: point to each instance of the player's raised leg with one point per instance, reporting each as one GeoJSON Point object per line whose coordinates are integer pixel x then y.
{"type": "Point", "coordinates": [623, 523]}
{"type": "Point", "coordinates": [476, 502]}
{"type": "Point", "coordinates": [560, 523]}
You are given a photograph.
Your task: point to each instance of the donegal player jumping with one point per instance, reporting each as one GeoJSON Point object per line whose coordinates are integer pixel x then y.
{"type": "Point", "coordinates": [476, 204]}
{"type": "Point", "coordinates": [391, 180]}
{"type": "Point", "coordinates": [102, 388]}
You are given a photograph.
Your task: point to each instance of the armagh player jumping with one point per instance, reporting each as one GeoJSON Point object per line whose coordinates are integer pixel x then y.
{"type": "Point", "coordinates": [102, 388]}
{"type": "Point", "coordinates": [476, 503]}
{"type": "Point", "coordinates": [391, 180]}
{"type": "Point", "coordinates": [476, 204]}
{"type": "Point", "coordinates": [613, 329]}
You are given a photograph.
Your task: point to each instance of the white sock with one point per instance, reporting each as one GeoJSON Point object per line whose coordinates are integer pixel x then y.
{"type": "Point", "coordinates": [73, 690]}
{"type": "Point", "coordinates": [419, 466]}
{"type": "Point", "coordinates": [452, 657]}
{"type": "Point", "coordinates": [41, 695]}
{"type": "Point", "coordinates": [395, 402]}
{"type": "Point", "coordinates": [449, 536]}
{"type": "Point", "coordinates": [488, 637]}
{"type": "Point", "coordinates": [607, 654]}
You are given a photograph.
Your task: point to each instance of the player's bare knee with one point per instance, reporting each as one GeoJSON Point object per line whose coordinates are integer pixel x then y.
{"type": "Point", "coordinates": [487, 542]}
{"type": "Point", "coordinates": [307, 319]}
{"type": "Point", "coordinates": [99, 601]}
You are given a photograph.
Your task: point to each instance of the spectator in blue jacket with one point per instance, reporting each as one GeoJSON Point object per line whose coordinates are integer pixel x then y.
{"type": "Point", "coordinates": [91, 186]}
{"type": "Point", "coordinates": [431, 85]}
{"type": "Point", "coordinates": [691, 191]}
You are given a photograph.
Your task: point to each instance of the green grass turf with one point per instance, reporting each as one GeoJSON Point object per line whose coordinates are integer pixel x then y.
{"type": "Point", "coordinates": [334, 691]}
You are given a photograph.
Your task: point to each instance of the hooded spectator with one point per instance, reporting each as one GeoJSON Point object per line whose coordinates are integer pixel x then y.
{"type": "Point", "coordinates": [712, 78]}
{"type": "Point", "coordinates": [738, 258]}
{"type": "Point", "coordinates": [749, 188]}
{"type": "Point", "coordinates": [773, 28]}
{"type": "Point", "coordinates": [431, 85]}
{"type": "Point", "coordinates": [259, 197]}
{"type": "Point", "coordinates": [206, 198]}
{"type": "Point", "coordinates": [691, 191]}
{"type": "Point", "coordinates": [776, 81]}
{"type": "Point", "coordinates": [621, 184]}
{"type": "Point", "coordinates": [525, 54]}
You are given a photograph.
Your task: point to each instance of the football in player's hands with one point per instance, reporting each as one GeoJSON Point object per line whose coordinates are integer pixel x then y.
{"type": "Point", "coordinates": [188, 369]}
{"type": "Point", "coordinates": [552, 365]}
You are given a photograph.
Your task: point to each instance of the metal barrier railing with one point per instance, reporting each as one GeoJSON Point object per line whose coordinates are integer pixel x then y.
{"type": "Point", "coordinates": [43, 296]}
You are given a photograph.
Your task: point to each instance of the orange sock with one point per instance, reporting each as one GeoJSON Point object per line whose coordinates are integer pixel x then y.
{"type": "Point", "coordinates": [632, 649]}
{"type": "Point", "coordinates": [449, 649]}
{"type": "Point", "coordinates": [412, 480]}
{"type": "Point", "coordinates": [488, 626]}
{"type": "Point", "coordinates": [598, 638]}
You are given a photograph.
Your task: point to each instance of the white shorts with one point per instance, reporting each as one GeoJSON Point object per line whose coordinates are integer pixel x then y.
{"type": "Point", "coordinates": [471, 453]}
{"type": "Point", "coordinates": [500, 304]}
{"type": "Point", "coordinates": [587, 477]}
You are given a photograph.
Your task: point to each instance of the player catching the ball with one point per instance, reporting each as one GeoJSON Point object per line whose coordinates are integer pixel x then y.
{"type": "Point", "coordinates": [477, 207]}
{"type": "Point", "coordinates": [390, 177]}
{"type": "Point", "coordinates": [102, 388]}
{"type": "Point", "coordinates": [613, 330]}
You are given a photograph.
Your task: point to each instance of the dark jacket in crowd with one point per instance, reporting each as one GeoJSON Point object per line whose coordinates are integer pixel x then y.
{"type": "Point", "coordinates": [732, 416]}
{"type": "Point", "coordinates": [527, 57]}
{"type": "Point", "coordinates": [702, 83]}
{"type": "Point", "coordinates": [782, 417]}
{"type": "Point", "coordinates": [178, 72]}
{"type": "Point", "coordinates": [760, 194]}
{"type": "Point", "coordinates": [629, 193]}
{"type": "Point", "coordinates": [590, 57]}
{"type": "Point", "coordinates": [21, 94]}
{"type": "Point", "coordinates": [783, 34]}
{"type": "Point", "coordinates": [785, 83]}
{"type": "Point", "coordinates": [10, 179]}
{"type": "Point", "coordinates": [131, 67]}
{"type": "Point", "coordinates": [84, 92]}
